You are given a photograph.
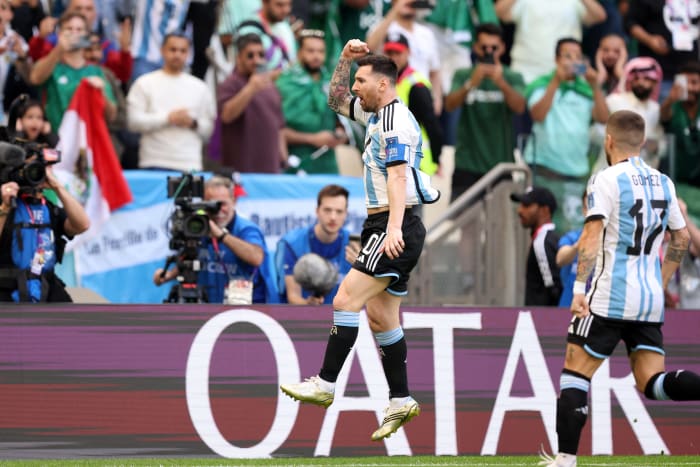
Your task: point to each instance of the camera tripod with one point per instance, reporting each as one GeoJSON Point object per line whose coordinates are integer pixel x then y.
{"type": "Point", "coordinates": [187, 290]}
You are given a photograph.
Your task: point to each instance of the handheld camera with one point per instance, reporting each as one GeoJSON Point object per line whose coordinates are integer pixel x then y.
{"type": "Point", "coordinates": [25, 162]}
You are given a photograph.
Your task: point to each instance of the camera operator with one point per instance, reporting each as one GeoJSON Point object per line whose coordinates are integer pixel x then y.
{"type": "Point", "coordinates": [37, 244]}
{"type": "Point", "coordinates": [234, 250]}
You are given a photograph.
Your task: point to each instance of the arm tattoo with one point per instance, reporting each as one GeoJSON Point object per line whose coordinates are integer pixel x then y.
{"type": "Point", "coordinates": [586, 263]}
{"type": "Point", "coordinates": [675, 254]}
{"type": "Point", "coordinates": [677, 246]}
{"type": "Point", "coordinates": [339, 92]}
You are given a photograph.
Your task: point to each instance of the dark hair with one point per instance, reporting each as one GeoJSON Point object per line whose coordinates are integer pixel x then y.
{"type": "Point", "coordinates": [380, 64]}
{"type": "Point", "coordinates": [23, 103]}
{"type": "Point", "coordinates": [310, 34]}
{"type": "Point", "coordinates": [691, 67]}
{"type": "Point", "coordinates": [331, 191]}
{"type": "Point", "coordinates": [179, 35]}
{"type": "Point", "coordinates": [627, 129]}
{"type": "Point", "coordinates": [69, 15]}
{"type": "Point", "coordinates": [490, 29]}
{"type": "Point", "coordinates": [611, 34]}
{"type": "Point", "coordinates": [566, 40]}
{"type": "Point", "coordinates": [246, 39]}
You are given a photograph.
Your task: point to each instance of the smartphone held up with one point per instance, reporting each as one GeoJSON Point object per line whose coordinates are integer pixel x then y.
{"type": "Point", "coordinates": [682, 82]}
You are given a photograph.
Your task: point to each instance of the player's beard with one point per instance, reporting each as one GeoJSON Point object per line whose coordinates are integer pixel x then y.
{"type": "Point", "coordinates": [366, 106]}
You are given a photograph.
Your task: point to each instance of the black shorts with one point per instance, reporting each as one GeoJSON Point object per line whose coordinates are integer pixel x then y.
{"type": "Point", "coordinates": [376, 264]}
{"type": "Point", "coordinates": [599, 336]}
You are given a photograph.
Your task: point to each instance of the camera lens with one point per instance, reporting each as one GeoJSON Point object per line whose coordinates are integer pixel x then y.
{"type": "Point", "coordinates": [34, 173]}
{"type": "Point", "coordinates": [196, 226]}
{"type": "Point", "coordinates": [31, 174]}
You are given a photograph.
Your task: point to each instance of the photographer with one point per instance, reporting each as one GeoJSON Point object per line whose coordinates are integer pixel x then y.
{"type": "Point", "coordinates": [234, 250]}
{"type": "Point", "coordinates": [327, 238]}
{"type": "Point", "coordinates": [60, 72]}
{"type": "Point", "coordinates": [33, 235]}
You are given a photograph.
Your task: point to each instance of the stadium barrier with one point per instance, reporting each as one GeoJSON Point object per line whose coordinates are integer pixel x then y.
{"type": "Point", "coordinates": [202, 380]}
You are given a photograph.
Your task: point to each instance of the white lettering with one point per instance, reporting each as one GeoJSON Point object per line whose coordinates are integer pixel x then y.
{"type": "Point", "coordinates": [443, 325]}
{"type": "Point", "coordinates": [632, 406]}
{"type": "Point", "coordinates": [525, 343]}
{"type": "Point", "coordinates": [197, 383]}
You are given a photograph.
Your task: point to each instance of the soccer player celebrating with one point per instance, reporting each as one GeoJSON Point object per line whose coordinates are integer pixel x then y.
{"type": "Point", "coordinates": [392, 237]}
{"type": "Point", "coordinates": [630, 205]}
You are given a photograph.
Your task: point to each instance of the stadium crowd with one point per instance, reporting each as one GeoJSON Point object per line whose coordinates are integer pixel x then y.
{"type": "Point", "coordinates": [241, 85]}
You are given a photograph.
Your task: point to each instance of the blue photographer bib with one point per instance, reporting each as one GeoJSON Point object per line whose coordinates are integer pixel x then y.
{"type": "Point", "coordinates": [33, 248]}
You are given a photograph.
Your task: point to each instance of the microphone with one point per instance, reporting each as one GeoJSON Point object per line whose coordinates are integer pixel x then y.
{"type": "Point", "coordinates": [11, 155]}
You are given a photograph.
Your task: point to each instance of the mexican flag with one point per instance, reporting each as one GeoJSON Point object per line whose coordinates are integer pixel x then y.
{"type": "Point", "coordinates": [89, 167]}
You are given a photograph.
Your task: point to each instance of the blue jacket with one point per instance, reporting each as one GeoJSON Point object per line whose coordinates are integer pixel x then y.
{"type": "Point", "coordinates": [296, 243]}
{"type": "Point", "coordinates": [219, 265]}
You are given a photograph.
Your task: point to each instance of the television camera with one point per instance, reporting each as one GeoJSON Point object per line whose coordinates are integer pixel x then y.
{"type": "Point", "coordinates": [25, 162]}
{"type": "Point", "coordinates": [189, 226]}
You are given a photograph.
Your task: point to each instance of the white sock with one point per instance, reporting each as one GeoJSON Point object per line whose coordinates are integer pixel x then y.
{"type": "Point", "coordinates": [326, 385]}
{"type": "Point", "coordinates": [396, 402]}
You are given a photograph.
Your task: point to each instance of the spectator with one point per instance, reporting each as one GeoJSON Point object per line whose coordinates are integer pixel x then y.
{"type": "Point", "coordinates": [352, 19]}
{"type": "Point", "coordinates": [173, 111]}
{"type": "Point", "coordinates": [539, 24]}
{"type": "Point", "coordinates": [613, 24]}
{"type": "Point", "coordinates": [33, 233]}
{"type": "Point", "coordinates": [41, 44]}
{"type": "Point", "coordinates": [88, 9]}
{"type": "Point", "coordinates": [250, 109]}
{"type": "Point", "coordinates": [235, 250]}
{"type": "Point", "coordinates": [271, 23]}
{"type": "Point", "coordinates": [414, 89]}
{"type": "Point", "coordinates": [425, 55]}
{"type": "Point", "coordinates": [666, 31]}
{"type": "Point", "coordinates": [233, 13]}
{"type": "Point", "coordinates": [13, 56]}
{"type": "Point", "coordinates": [61, 71]}
{"type": "Point", "coordinates": [327, 238]}
{"type": "Point", "coordinates": [111, 17]}
{"type": "Point", "coordinates": [567, 259]}
{"type": "Point", "coordinates": [679, 114]}
{"type": "Point", "coordinates": [610, 59]}
{"type": "Point", "coordinates": [639, 92]}
{"type": "Point", "coordinates": [454, 26]}
{"type": "Point", "coordinates": [27, 16]}
{"type": "Point", "coordinates": [542, 283]}
{"type": "Point", "coordinates": [562, 104]}
{"type": "Point", "coordinates": [153, 21]}
{"type": "Point", "coordinates": [202, 16]}
{"type": "Point", "coordinates": [488, 94]}
{"type": "Point", "coordinates": [30, 122]}
{"type": "Point", "coordinates": [312, 128]}
{"type": "Point", "coordinates": [119, 61]}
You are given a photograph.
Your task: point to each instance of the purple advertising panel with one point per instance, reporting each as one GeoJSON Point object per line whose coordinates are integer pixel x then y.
{"type": "Point", "coordinates": [202, 380]}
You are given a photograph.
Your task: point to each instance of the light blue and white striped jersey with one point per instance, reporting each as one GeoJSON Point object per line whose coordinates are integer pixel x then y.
{"type": "Point", "coordinates": [154, 19]}
{"type": "Point", "coordinates": [636, 203]}
{"type": "Point", "coordinates": [393, 137]}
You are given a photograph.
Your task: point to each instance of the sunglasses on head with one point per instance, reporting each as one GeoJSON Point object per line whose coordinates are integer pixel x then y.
{"type": "Point", "coordinates": [312, 33]}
